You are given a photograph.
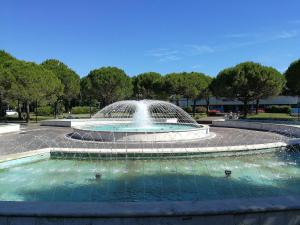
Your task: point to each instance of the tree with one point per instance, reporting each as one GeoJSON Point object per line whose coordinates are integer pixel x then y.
{"type": "Point", "coordinates": [206, 93]}
{"type": "Point", "coordinates": [5, 78]}
{"type": "Point", "coordinates": [85, 89]}
{"type": "Point", "coordinates": [173, 86]}
{"type": "Point", "coordinates": [146, 85]}
{"type": "Point", "coordinates": [247, 82]}
{"type": "Point", "coordinates": [193, 85]}
{"type": "Point", "coordinates": [69, 79]}
{"type": "Point", "coordinates": [109, 84]}
{"type": "Point", "coordinates": [189, 85]}
{"type": "Point", "coordinates": [31, 82]}
{"type": "Point", "coordinates": [270, 82]}
{"type": "Point", "coordinates": [292, 76]}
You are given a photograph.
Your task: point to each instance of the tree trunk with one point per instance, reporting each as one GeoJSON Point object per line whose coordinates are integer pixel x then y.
{"type": "Point", "coordinates": [245, 108]}
{"type": "Point", "coordinates": [187, 102]}
{"type": "Point", "coordinates": [257, 105]}
{"type": "Point", "coordinates": [55, 110]}
{"type": "Point", "coordinates": [27, 112]}
{"type": "Point", "coordinates": [177, 101]}
{"type": "Point", "coordinates": [207, 105]}
{"type": "Point", "coordinates": [2, 112]}
{"type": "Point", "coordinates": [19, 111]}
{"type": "Point", "coordinates": [194, 107]}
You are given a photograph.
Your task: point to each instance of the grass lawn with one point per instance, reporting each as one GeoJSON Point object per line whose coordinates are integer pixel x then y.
{"type": "Point", "coordinates": [40, 118]}
{"type": "Point", "coordinates": [271, 116]}
{"type": "Point", "coordinates": [65, 115]}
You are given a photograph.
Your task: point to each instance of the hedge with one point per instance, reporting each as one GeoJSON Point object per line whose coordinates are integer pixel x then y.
{"type": "Point", "coordinates": [83, 110]}
{"type": "Point", "coordinates": [279, 109]}
{"type": "Point", "coordinates": [188, 109]}
{"type": "Point", "coordinates": [200, 109]}
{"type": "Point", "coordinates": [44, 111]}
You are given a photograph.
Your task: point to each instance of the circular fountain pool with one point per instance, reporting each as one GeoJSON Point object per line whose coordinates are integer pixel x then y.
{"type": "Point", "coordinates": [141, 121]}
{"type": "Point", "coordinates": [131, 128]}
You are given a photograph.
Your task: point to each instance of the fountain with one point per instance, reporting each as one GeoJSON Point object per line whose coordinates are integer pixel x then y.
{"type": "Point", "coordinates": [143, 155]}
{"type": "Point", "coordinates": [141, 117]}
{"type": "Point", "coordinates": [141, 121]}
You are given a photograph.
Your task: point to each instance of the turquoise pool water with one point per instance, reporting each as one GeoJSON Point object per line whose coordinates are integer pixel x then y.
{"type": "Point", "coordinates": [263, 175]}
{"type": "Point", "coordinates": [157, 127]}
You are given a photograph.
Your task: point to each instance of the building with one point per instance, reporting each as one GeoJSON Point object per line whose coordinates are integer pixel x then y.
{"type": "Point", "coordinates": [227, 105]}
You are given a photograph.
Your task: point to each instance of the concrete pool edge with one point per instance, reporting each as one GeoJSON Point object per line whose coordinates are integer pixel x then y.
{"type": "Point", "coordinates": [193, 133]}
{"type": "Point", "coordinates": [150, 209]}
{"type": "Point", "coordinates": [152, 151]}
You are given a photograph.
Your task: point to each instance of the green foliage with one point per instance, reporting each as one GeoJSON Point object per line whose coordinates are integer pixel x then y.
{"type": "Point", "coordinates": [83, 110]}
{"type": "Point", "coordinates": [248, 82]}
{"type": "Point", "coordinates": [69, 79]}
{"type": "Point", "coordinates": [272, 116]}
{"type": "Point", "coordinates": [45, 111]}
{"type": "Point", "coordinates": [188, 109]}
{"type": "Point", "coordinates": [27, 82]}
{"type": "Point", "coordinates": [31, 82]}
{"type": "Point", "coordinates": [109, 84]}
{"type": "Point", "coordinates": [189, 85]}
{"type": "Point", "coordinates": [292, 76]}
{"type": "Point", "coordinates": [198, 116]}
{"type": "Point", "coordinates": [200, 109]}
{"type": "Point", "coordinates": [279, 109]}
{"type": "Point", "coordinates": [147, 85]}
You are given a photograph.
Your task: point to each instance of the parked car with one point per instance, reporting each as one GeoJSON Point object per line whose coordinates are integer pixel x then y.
{"type": "Point", "coordinates": [10, 112]}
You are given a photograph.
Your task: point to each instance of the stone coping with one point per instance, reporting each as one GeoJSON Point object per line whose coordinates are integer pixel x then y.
{"type": "Point", "coordinates": [147, 151]}
{"type": "Point", "coordinates": [286, 129]}
{"type": "Point", "coordinates": [172, 150]}
{"type": "Point", "coordinates": [150, 209]}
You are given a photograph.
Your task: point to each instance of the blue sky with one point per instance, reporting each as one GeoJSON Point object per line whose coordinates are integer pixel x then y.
{"type": "Point", "coordinates": [152, 35]}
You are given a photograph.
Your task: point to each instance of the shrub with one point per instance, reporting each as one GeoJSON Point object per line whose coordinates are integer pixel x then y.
{"type": "Point", "coordinates": [44, 111]}
{"type": "Point", "coordinates": [83, 110]}
{"type": "Point", "coordinates": [200, 109]}
{"type": "Point", "coordinates": [199, 116]}
{"type": "Point", "coordinates": [188, 109]}
{"type": "Point", "coordinates": [279, 109]}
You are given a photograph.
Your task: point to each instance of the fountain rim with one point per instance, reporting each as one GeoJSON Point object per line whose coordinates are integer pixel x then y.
{"type": "Point", "coordinates": [194, 127]}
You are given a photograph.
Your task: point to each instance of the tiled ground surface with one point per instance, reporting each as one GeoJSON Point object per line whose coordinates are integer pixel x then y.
{"type": "Point", "coordinates": [35, 137]}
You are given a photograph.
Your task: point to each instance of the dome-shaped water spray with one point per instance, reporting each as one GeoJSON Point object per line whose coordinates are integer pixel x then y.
{"type": "Point", "coordinates": [145, 112]}
{"type": "Point", "coordinates": [141, 121]}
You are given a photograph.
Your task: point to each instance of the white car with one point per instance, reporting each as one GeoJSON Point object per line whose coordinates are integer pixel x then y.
{"type": "Point", "coordinates": [11, 113]}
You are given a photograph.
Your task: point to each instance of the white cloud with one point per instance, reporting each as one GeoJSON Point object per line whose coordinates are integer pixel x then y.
{"type": "Point", "coordinates": [237, 35]}
{"type": "Point", "coordinates": [197, 66]}
{"type": "Point", "coordinates": [164, 54]}
{"type": "Point", "coordinates": [193, 49]}
{"type": "Point", "coordinates": [287, 34]}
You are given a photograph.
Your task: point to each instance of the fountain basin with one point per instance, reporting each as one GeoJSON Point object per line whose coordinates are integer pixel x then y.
{"type": "Point", "coordinates": [158, 132]}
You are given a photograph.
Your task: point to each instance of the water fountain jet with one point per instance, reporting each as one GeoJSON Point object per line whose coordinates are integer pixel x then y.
{"type": "Point", "coordinates": [141, 121]}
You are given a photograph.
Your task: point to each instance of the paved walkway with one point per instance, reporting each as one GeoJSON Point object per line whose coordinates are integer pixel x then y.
{"type": "Point", "coordinates": [36, 137]}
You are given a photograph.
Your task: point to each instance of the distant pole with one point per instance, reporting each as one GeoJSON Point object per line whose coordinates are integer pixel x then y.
{"type": "Point", "coordinates": [36, 105]}
{"type": "Point", "coordinates": [90, 107]}
{"type": "Point", "coordinates": [298, 107]}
